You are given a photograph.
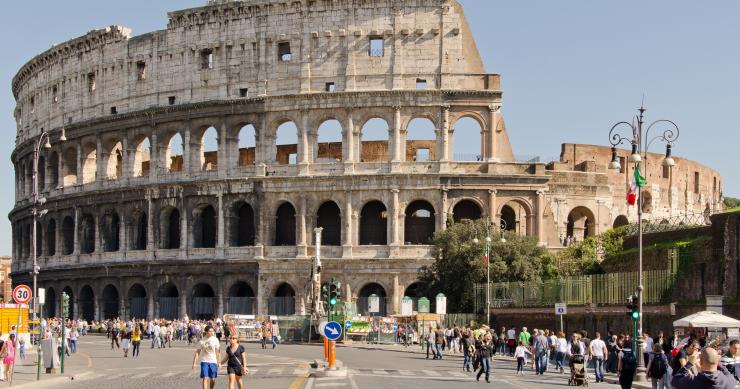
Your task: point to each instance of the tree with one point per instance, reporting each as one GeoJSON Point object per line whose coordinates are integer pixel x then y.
{"type": "Point", "coordinates": [458, 264]}
{"type": "Point", "coordinates": [731, 202]}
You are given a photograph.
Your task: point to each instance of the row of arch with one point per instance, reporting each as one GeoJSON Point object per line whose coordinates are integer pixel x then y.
{"type": "Point", "coordinates": [115, 157]}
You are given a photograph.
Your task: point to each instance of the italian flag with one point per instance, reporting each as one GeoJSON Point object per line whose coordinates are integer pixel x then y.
{"type": "Point", "coordinates": [638, 182]}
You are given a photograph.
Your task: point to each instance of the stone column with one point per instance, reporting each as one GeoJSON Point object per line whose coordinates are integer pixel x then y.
{"type": "Point", "coordinates": [220, 233]}
{"type": "Point", "coordinates": [443, 212]}
{"type": "Point", "coordinates": [60, 167]}
{"type": "Point", "coordinates": [349, 143]}
{"type": "Point", "coordinates": [492, 207]}
{"type": "Point", "coordinates": [395, 225]}
{"type": "Point", "coordinates": [187, 155]}
{"type": "Point", "coordinates": [224, 150]}
{"type": "Point", "coordinates": [101, 161]}
{"type": "Point", "coordinates": [397, 296]}
{"type": "Point", "coordinates": [126, 160]}
{"type": "Point", "coordinates": [302, 245]}
{"type": "Point", "coordinates": [80, 162]}
{"type": "Point", "coordinates": [150, 304]}
{"type": "Point", "coordinates": [347, 219]}
{"type": "Point", "coordinates": [97, 221]}
{"type": "Point", "coordinates": [183, 298]}
{"type": "Point", "coordinates": [155, 157]}
{"type": "Point", "coordinates": [150, 243]}
{"type": "Point", "coordinates": [184, 241]}
{"type": "Point", "coordinates": [304, 151]}
{"type": "Point", "coordinates": [396, 140]}
{"type": "Point", "coordinates": [76, 237]}
{"type": "Point", "coordinates": [444, 153]}
{"type": "Point", "coordinates": [219, 296]}
{"type": "Point", "coordinates": [493, 123]}
{"type": "Point", "coordinates": [123, 234]}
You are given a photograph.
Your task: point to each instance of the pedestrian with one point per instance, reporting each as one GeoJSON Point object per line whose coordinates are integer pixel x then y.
{"type": "Point", "coordinates": [682, 356]}
{"type": "Point", "coordinates": [114, 336]}
{"type": "Point", "coordinates": [484, 353]}
{"type": "Point", "coordinates": [468, 344]}
{"type": "Point", "coordinates": [511, 340]}
{"type": "Point", "coordinates": [731, 360]}
{"type": "Point", "coordinates": [73, 339]}
{"type": "Point", "coordinates": [125, 341]}
{"type": "Point", "coordinates": [648, 348]}
{"type": "Point", "coordinates": [136, 341]}
{"type": "Point", "coordinates": [429, 338]}
{"type": "Point", "coordinates": [611, 347]}
{"type": "Point", "coordinates": [209, 352]}
{"type": "Point", "coordinates": [561, 350]}
{"type": "Point", "coordinates": [712, 374]}
{"type": "Point", "coordinates": [275, 334]}
{"type": "Point", "coordinates": [236, 361]}
{"type": "Point", "coordinates": [8, 355]}
{"type": "Point", "coordinates": [155, 336]}
{"type": "Point", "coordinates": [439, 343]}
{"type": "Point", "coordinates": [541, 344]}
{"type": "Point", "coordinates": [266, 334]}
{"type": "Point", "coordinates": [22, 347]}
{"type": "Point", "coordinates": [520, 353]}
{"type": "Point", "coordinates": [658, 369]}
{"type": "Point", "coordinates": [599, 354]}
{"type": "Point", "coordinates": [502, 338]}
{"type": "Point", "coordinates": [627, 366]}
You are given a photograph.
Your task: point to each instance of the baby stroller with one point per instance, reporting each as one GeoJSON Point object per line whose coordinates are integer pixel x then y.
{"type": "Point", "coordinates": [577, 371]}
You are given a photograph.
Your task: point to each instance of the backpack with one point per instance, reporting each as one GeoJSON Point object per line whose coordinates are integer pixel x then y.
{"type": "Point", "coordinates": [575, 348]}
{"type": "Point", "coordinates": [628, 361]}
{"type": "Point", "coordinates": [659, 366]}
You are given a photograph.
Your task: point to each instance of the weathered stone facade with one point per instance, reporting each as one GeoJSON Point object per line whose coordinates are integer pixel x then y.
{"type": "Point", "coordinates": [147, 219]}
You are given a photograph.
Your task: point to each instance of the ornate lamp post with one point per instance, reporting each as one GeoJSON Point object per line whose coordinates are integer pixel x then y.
{"type": "Point", "coordinates": [36, 201]}
{"type": "Point", "coordinates": [641, 141]}
{"type": "Point", "coordinates": [486, 256]}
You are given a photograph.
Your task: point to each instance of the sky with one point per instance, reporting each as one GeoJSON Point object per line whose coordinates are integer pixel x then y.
{"type": "Point", "coordinates": [570, 69]}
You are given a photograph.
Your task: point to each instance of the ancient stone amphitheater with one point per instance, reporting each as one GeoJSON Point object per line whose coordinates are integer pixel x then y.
{"type": "Point", "coordinates": [199, 159]}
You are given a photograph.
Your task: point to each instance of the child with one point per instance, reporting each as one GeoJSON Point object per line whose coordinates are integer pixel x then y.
{"type": "Point", "coordinates": [22, 348]}
{"type": "Point", "coordinates": [521, 357]}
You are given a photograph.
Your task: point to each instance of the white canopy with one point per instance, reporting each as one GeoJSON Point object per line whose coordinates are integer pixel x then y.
{"type": "Point", "coordinates": [709, 319]}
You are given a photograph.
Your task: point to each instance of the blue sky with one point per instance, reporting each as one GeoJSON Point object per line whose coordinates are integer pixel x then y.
{"type": "Point", "coordinates": [570, 69]}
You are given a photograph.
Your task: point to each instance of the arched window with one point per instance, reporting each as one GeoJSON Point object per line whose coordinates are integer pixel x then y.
{"type": "Point", "coordinates": [419, 224]}
{"type": "Point", "coordinates": [421, 141]}
{"type": "Point", "coordinates": [137, 301]}
{"type": "Point", "coordinates": [87, 303]}
{"type": "Point", "coordinates": [283, 302]}
{"type": "Point", "coordinates": [466, 209]}
{"type": "Point", "coordinates": [374, 141]}
{"type": "Point", "coordinates": [329, 142]}
{"type": "Point", "coordinates": [68, 236]}
{"type": "Point", "coordinates": [243, 231]}
{"type": "Point", "coordinates": [167, 297]}
{"type": "Point", "coordinates": [51, 238]}
{"type": "Point", "coordinates": [580, 223]}
{"type": "Point", "coordinates": [110, 302]}
{"type": "Point", "coordinates": [53, 170]}
{"type": "Point", "coordinates": [89, 164]}
{"type": "Point", "coordinates": [414, 291]}
{"type": "Point", "coordinates": [286, 144]}
{"type": "Point", "coordinates": [620, 221]}
{"type": "Point", "coordinates": [114, 168]}
{"type": "Point", "coordinates": [466, 140]}
{"type": "Point", "coordinates": [205, 228]}
{"type": "Point", "coordinates": [174, 153]}
{"type": "Point", "coordinates": [111, 232]}
{"type": "Point", "coordinates": [247, 143]}
{"type": "Point", "coordinates": [209, 150]}
{"type": "Point", "coordinates": [285, 225]}
{"type": "Point", "coordinates": [170, 228]}
{"type": "Point", "coordinates": [203, 302]}
{"type": "Point", "coordinates": [241, 299]}
{"type": "Point", "coordinates": [517, 214]}
{"type": "Point", "coordinates": [328, 217]}
{"type": "Point", "coordinates": [374, 224]}
{"type": "Point", "coordinates": [138, 234]}
{"type": "Point", "coordinates": [142, 158]}
{"type": "Point", "coordinates": [70, 166]}
{"type": "Point", "coordinates": [42, 174]}
{"type": "Point", "coordinates": [508, 215]}
{"type": "Point", "coordinates": [87, 234]}
{"type": "Point", "coordinates": [364, 296]}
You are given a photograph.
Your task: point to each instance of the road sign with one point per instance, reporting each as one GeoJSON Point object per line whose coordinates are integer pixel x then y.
{"type": "Point", "coordinates": [348, 324]}
{"type": "Point", "coordinates": [373, 304]}
{"type": "Point", "coordinates": [561, 309]}
{"type": "Point", "coordinates": [41, 295]}
{"type": "Point", "coordinates": [423, 305]}
{"type": "Point", "coordinates": [441, 304]}
{"type": "Point", "coordinates": [407, 306]}
{"type": "Point", "coordinates": [22, 294]}
{"type": "Point", "coordinates": [322, 325]}
{"type": "Point", "coordinates": [332, 330]}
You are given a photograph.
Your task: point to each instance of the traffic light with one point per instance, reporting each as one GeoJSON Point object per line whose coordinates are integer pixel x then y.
{"type": "Point", "coordinates": [65, 305]}
{"type": "Point", "coordinates": [325, 291]}
{"type": "Point", "coordinates": [333, 293]}
{"type": "Point", "coordinates": [633, 307]}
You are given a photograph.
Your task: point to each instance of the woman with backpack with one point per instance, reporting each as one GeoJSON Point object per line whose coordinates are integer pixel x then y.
{"type": "Point", "coordinates": [658, 369]}
{"type": "Point", "coordinates": [485, 351]}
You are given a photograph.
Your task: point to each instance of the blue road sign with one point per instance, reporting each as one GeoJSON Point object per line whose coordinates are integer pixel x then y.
{"type": "Point", "coordinates": [348, 324]}
{"type": "Point", "coordinates": [333, 330]}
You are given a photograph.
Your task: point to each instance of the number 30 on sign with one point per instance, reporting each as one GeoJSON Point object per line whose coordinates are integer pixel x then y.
{"type": "Point", "coordinates": [22, 294]}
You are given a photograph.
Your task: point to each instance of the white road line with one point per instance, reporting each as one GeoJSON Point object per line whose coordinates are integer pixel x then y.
{"type": "Point", "coordinates": [424, 377]}
{"type": "Point", "coordinates": [328, 384]}
{"type": "Point", "coordinates": [457, 374]}
{"type": "Point", "coordinates": [170, 374]}
{"type": "Point", "coordinates": [300, 371]}
{"type": "Point", "coordinates": [406, 372]}
{"type": "Point", "coordinates": [274, 371]}
{"type": "Point", "coordinates": [309, 384]}
{"type": "Point", "coordinates": [431, 373]}
{"type": "Point", "coordinates": [380, 372]}
{"type": "Point", "coordinates": [142, 375]}
{"type": "Point", "coordinates": [115, 376]}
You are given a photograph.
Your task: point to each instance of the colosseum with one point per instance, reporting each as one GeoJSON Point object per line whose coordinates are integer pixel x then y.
{"type": "Point", "coordinates": [170, 188]}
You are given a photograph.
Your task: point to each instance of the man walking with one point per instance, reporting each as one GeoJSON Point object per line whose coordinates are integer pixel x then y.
{"type": "Point", "coordinates": [541, 344]}
{"type": "Point", "coordinates": [599, 354]}
{"type": "Point", "coordinates": [209, 351]}
{"type": "Point", "coordinates": [712, 375]}
{"type": "Point", "coordinates": [439, 342]}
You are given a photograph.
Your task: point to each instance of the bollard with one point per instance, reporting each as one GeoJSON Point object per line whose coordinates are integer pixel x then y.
{"type": "Point", "coordinates": [326, 349]}
{"type": "Point", "coordinates": [332, 353]}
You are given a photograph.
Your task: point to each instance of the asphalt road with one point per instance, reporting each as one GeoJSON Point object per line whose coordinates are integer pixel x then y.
{"type": "Point", "coordinates": [97, 366]}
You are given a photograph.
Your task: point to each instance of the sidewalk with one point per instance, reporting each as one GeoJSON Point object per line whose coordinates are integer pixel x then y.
{"type": "Point", "coordinates": [25, 372]}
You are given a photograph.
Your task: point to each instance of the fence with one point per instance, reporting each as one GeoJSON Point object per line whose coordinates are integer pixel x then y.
{"type": "Point", "coordinates": [674, 223]}
{"type": "Point", "coordinates": [600, 289]}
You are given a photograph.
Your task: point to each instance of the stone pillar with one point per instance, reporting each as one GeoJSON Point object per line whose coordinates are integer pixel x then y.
{"type": "Point", "coordinates": [97, 221]}
{"type": "Point", "coordinates": [80, 162]}
{"type": "Point", "coordinates": [76, 237]}
{"type": "Point", "coordinates": [150, 305]}
{"type": "Point", "coordinates": [184, 241]}
{"type": "Point", "coordinates": [224, 150]}
{"type": "Point", "coordinates": [304, 150]}
{"type": "Point", "coordinates": [123, 234]}
{"type": "Point", "coordinates": [443, 212]}
{"type": "Point", "coordinates": [349, 143]}
{"type": "Point", "coordinates": [101, 161]}
{"type": "Point", "coordinates": [60, 167]}
{"type": "Point", "coordinates": [220, 233]}
{"type": "Point", "coordinates": [444, 152]}
{"type": "Point", "coordinates": [302, 244]}
{"type": "Point", "coordinates": [183, 299]}
{"type": "Point", "coordinates": [395, 225]}
{"type": "Point", "coordinates": [150, 244]}
{"type": "Point", "coordinates": [397, 296]}
{"type": "Point", "coordinates": [492, 207]}
{"type": "Point", "coordinates": [347, 219]}
{"type": "Point", "coordinates": [187, 155]}
{"type": "Point", "coordinates": [541, 218]}
{"type": "Point", "coordinates": [155, 157]}
{"type": "Point", "coordinates": [396, 140]}
{"type": "Point", "coordinates": [493, 124]}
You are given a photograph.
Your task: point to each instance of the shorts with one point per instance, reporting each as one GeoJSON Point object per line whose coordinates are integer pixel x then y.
{"type": "Point", "coordinates": [208, 370]}
{"type": "Point", "coordinates": [511, 343]}
{"type": "Point", "coordinates": [234, 370]}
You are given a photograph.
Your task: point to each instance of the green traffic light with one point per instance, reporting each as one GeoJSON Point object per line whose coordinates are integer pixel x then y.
{"type": "Point", "coordinates": [333, 301]}
{"type": "Point", "coordinates": [635, 315]}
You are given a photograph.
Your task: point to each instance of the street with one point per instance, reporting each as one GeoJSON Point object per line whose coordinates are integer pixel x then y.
{"type": "Point", "coordinates": [97, 366]}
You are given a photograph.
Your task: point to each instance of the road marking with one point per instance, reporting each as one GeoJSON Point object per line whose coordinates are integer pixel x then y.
{"type": "Point", "coordinates": [300, 371]}
{"type": "Point", "coordinates": [328, 384]}
{"type": "Point", "coordinates": [142, 375]}
{"type": "Point", "coordinates": [431, 373]}
{"type": "Point", "coordinates": [115, 376]}
{"type": "Point", "coordinates": [170, 374]}
{"type": "Point", "coordinates": [274, 371]}
{"type": "Point", "coordinates": [380, 372]}
{"type": "Point", "coordinates": [406, 372]}
{"type": "Point", "coordinates": [457, 374]}
{"type": "Point", "coordinates": [423, 377]}
{"type": "Point", "coordinates": [89, 358]}
{"type": "Point", "coordinates": [298, 382]}
{"type": "Point", "coordinates": [309, 385]}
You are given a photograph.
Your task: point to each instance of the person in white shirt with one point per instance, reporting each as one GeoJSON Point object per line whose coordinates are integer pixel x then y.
{"type": "Point", "coordinates": [520, 353]}
{"type": "Point", "coordinates": [209, 351]}
{"type": "Point", "coordinates": [599, 354]}
{"type": "Point", "coordinates": [562, 350]}
{"type": "Point", "coordinates": [648, 346]}
{"type": "Point", "coordinates": [511, 340]}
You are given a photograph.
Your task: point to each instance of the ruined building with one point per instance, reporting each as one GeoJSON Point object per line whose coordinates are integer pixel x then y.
{"type": "Point", "coordinates": [173, 195]}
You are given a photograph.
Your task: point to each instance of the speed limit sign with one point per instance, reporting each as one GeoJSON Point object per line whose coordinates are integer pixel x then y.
{"type": "Point", "coordinates": [22, 294]}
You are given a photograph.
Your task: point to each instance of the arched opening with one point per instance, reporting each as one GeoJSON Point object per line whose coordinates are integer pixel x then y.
{"type": "Point", "coordinates": [243, 231]}
{"type": "Point", "coordinates": [138, 230]}
{"type": "Point", "coordinates": [111, 231]}
{"type": "Point", "coordinates": [68, 236]}
{"type": "Point", "coordinates": [71, 306]}
{"type": "Point", "coordinates": [647, 202]}
{"type": "Point", "coordinates": [50, 307]}
{"type": "Point", "coordinates": [285, 225]}
{"type": "Point", "coordinates": [173, 155]}
{"type": "Point", "coordinates": [517, 217]}
{"type": "Point", "coordinates": [87, 303]}
{"type": "Point", "coordinates": [419, 223]}
{"type": "Point", "coordinates": [374, 141]}
{"type": "Point", "coordinates": [51, 238]}
{"type": "Point", "coordinates": [53, 170]}
{"type": "Point", "coordinates": [247, 145]}
{"type": "Point", "coordinates": [87, 234]}
{"type": "Point", "coordinates": [364, 296]}
{"type": "Point", "coordinates": [580, 224]}
{"type": "Point", "coordinates": [203, 307]}
{"type": "Point", "coordinates": [167, 296]}
{"type": "Point", "coordinates": [205, 228]}
{"type": "Point", "coordinates": [373, 224]}
{"type": "Point", "coordinates": [114, 166]}
{"type": "Point", "coordinates": [508, 215]}
{"type": "Point", "coordinates": [466, 140]}
{"type": "Point", "coordinates": [137, 301]}
{"type": "Point", "coordinates": [620, 221]}
{"type": "Point", "coordinates": [110, 302]}
{"type": "Point", "coordinates": [42, 174]}
{"type": "Point", "coordinates": [414, 291]}
{"type": "Point", "coordinates": [286, 144]}
{"type": "Point", "coordinates": [142, 158]}
{"type": "Point", "coordinates": [421, 141]}
{"type": "Point", "coordinates": [209, 150]}
{"type": "Point", "coordinates": [70, 166]}
{"type": "Point", "coordinates": [329, 142]}
{"type": "Point", "coordinates": [170, 228]}
{"type": "Point", "coordinates": [89, 163]}
{"type": "Point", "coordinates": [466, 210]}
{"type": "Point", "coordinates": [283, 302]}
{"type": "Point", "coordinates": [241, 299]}
{"type": "Point", "coordinates": [328, 217]}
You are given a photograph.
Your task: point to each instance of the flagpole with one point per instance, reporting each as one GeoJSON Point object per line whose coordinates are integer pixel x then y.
{"type": "Point", "coordinates": [488, 280]}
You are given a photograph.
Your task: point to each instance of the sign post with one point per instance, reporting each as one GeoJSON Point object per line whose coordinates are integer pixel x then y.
{"type": "Point", "coordinates": [40, 300]}
{"type": "Point", "coordinates": [373, 307]}
{"type": "Point", "coordinates": [21, 295]}
{"type": "Point", "coordinates": [561, 310]}
{"type": "Point", "coordinates": [423, 308]}
{"type": "Point", "coordinates": [332, 332]}
{"type": "Point", "coordinates": [441, 308]}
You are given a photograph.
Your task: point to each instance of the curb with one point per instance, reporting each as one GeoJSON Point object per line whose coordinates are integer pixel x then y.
{"type": "Point", "coordinates": [52, 381]}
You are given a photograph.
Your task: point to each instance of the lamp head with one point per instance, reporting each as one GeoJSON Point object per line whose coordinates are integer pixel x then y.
{"type": "Point", "coordinates": [635, 156]}
{"type": "Point", "coordinates": [668, 161]}
{"type": "Point", "coordinates": [614, 164]}
{"type": "Point", "coordinates": [488, 239]}
{"type": "Point", "coordinates": [475, 240]}
{"type": "Point", "coordinates": [47, 145]}
{"type": "Point", "coordinates": [63, 138]}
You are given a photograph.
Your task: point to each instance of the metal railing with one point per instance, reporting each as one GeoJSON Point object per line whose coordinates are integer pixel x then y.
{"type": "Point", "coordinates": [673, 223]}
{"type": "Point", "coordinates": [600, 289]}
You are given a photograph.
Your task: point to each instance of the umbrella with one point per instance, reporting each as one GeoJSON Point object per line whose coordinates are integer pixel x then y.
{"type": "Point", "coordinates": [707, 319]}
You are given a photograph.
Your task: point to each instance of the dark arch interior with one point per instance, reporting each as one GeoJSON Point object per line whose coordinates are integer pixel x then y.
{"type": "Point", "coordinates": [203, 301]}
{"type": "Point", "coordinates": [87, 303]}
{"type": "Point", "coordinates": [285, 226]}
{"type": "Point", "coordinates": [244, 233]}
{"type": "Point", "coordinates": [466, 209]}
{"type": "Point", "coordinates": [110, 302]}
{"type": "Point", "coordinates": [87, 234]}
{"type": "Point", "coordinates": [241, 299]}
{"type": "Point", "coordinates": [508, 215]}
{"type": "Point", "coordinates": [171, 229]}
{"type": "Point", "coordinates": [414, 291]}
{"type": "Point", "coordinates": [373, 224]}
{"type": "Point", "coordinates": [328, 217]}
{"type": "Point", "coordinates": [68, 236]}
{"type": "Point", "coordinates": [111, 228]}
{"type": "Point", "coordinates": [137, 301]}
{"type": "Point", "coordinates": [364, 294]}
{"type": "Point", "coordinates": [620, 221]}
{"type": "Point", "coordinates": [51, 238]}
{"type": "Point", "coordinates": [51, 302]}
{"type": "Point", "coordinates": [205, 228]}
{"type": "Point", "coordinates": [419, 225]}
{"type": "Point", "coordinates": [167, 299]}
{"type": "Point", "coordinates": [283, 303]}
{"type": "Point", "coordinates": [139, 231]}
{"type": "Point", "coordinates": [580, 223]}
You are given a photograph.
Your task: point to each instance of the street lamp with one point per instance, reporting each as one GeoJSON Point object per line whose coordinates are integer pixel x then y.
{"type": "Point", "coordinates": [641, 141]}
{"type": "Point", "coordinates": [486, 256]}
{"type": "Point", "coordinates": [36, 201]}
